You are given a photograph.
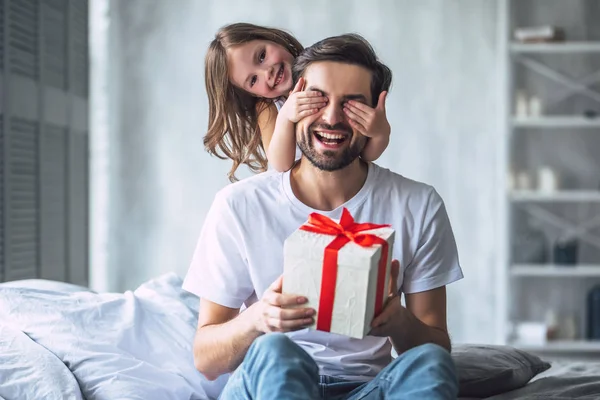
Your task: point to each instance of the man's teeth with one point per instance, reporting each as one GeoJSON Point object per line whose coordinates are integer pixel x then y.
{"type": "Point", "coordinates": [331, 136]}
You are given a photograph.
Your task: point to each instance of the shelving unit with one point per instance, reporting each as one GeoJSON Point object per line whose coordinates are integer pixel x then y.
{"type": "Point", "coordinates": [565, 137]}
{"type": "Point", "coordinates": [556, 122]}
{"type": "Point", "coordinates": [555, 271]}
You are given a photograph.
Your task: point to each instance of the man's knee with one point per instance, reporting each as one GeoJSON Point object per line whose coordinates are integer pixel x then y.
{"type": "Point", "coordinates": [273, 343]}
{"type": "Point", "coordinates": [428, 356]}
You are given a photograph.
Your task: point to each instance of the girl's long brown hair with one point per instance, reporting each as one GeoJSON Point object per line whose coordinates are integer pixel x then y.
{"type": "Point", "coordinates": [233, 130]}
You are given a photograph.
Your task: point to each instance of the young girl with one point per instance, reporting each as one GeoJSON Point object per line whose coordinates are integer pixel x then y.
{"type": "Point", "coordinates": [248, 75]}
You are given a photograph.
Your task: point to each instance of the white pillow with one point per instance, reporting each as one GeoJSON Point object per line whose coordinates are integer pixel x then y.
{"type": "Point", "coordinates": [29, 371]}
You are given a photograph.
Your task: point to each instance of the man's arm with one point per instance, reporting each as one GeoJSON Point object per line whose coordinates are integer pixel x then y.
{"type": "Point", "coordinates": [423, 320]}
{"type": "Point", "coordinates": [224, 335]}
{"type": "Point", "coordinates": [222, 339]}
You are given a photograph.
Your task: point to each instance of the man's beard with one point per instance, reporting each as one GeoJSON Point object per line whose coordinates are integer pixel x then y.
{"type": "Point", "coordinates": [329, 160]}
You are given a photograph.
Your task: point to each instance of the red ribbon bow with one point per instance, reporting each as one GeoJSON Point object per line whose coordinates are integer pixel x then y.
{"type": "Point", "coordinates": [345, 231]}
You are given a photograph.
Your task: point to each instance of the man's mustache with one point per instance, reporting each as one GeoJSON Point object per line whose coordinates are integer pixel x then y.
{"type": "Point", "coordinates": [337, 127]}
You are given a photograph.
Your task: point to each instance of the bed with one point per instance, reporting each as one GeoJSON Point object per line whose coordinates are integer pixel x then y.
{"type": "Point", "coordinates": [60, 341]}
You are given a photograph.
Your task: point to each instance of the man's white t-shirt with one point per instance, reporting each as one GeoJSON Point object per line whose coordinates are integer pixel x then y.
{"type": "Point", "coordinates": [240, 252]}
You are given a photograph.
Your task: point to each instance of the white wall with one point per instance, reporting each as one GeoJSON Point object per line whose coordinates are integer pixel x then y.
{"type": "Point", "coordinates": [154, 182]}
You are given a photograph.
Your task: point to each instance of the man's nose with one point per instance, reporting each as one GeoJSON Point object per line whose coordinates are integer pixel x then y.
{"type": "Point", "coordinates": [333, 113]}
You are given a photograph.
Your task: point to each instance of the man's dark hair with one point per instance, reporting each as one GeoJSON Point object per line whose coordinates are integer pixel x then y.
{"type": "Point", "coordinates": [348, 49]}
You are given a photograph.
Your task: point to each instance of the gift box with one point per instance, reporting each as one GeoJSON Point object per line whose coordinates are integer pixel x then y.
{"type": "Point", "coordinates": [343, 268]}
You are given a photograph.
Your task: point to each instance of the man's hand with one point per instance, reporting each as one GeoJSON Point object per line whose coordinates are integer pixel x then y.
{"type": "Point", "coordinates": [388, 320]}
{"type": "Point", "coordinates": [370, 122]}
{"type": "Point", "coordinates": [271, 313]}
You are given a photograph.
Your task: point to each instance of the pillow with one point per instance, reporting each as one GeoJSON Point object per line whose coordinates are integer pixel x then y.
{"type": "Point", "coordinates": [488, 370]}
{"type": "Point", "coordinates": [29, 372]}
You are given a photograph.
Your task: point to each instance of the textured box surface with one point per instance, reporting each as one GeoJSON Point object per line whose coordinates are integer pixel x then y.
{"type": "Point", "coordinates": [356, 283]}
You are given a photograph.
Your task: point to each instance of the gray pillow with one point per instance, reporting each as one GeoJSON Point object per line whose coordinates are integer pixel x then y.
{"type": "Point", "coordinates": [487, 370]}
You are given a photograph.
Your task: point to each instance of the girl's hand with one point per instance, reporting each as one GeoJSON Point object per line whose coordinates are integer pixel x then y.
{"type": "Point", "coordinates": [301, 104]}
{"type": "Point", "coordinates": [371, 122]}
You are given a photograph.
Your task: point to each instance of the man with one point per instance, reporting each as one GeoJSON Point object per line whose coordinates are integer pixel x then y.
{"type": "Point", "coordinates": [239, 260]}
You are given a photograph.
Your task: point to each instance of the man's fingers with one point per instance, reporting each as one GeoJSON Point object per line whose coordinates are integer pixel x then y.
{"type": "Point", "coordinates": [394, 273]}
{"type": "Point", "coordinates": [289, 313]}
{"type": "Point", "coordinates": [277, 286]}
{"type": "Point", "coordinates": [282, 300]}
{"type": "Point", "coordinates": [287, 325]}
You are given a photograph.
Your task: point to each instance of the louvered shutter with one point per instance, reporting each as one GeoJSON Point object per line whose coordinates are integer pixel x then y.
{"type": "Point", "coordinates": [43, 140]}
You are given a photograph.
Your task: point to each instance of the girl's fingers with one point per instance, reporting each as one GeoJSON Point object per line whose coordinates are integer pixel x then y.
{"type": "Point", "coordinates": [357, 126]}
{"type": "Point", "coordinates": [306, 113]}
{"type": "Point", "coordinates": [353, 115]}
{"type": "Point", "coordinates": [360, 108]}
{"type": "Point", "coordinates": [308, 106]}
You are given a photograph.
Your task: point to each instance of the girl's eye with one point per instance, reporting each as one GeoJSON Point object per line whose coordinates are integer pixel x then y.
{"type": "Point", "coordinates": [262, 55]}
{"type": "Point", "coordinates": [253, 81]}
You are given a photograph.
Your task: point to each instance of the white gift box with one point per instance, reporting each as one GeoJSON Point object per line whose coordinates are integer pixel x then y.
{"type": "Point", "coordinates": [356, 278]}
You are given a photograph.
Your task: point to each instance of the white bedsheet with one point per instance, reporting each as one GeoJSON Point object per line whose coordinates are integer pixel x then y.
{"type": "Point", "coordinates": [135, 345]}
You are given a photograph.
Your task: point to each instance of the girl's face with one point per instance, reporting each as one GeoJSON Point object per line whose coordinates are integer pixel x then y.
{"type": "Point", "coordinates": [262, 68]}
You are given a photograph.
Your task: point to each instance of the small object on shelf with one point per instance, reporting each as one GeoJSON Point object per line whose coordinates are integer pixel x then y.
{"type": "Point", "coordinates": [522, 105]}
{"type": "Point", "coordinates": [530, 333]}
{"type": "Point", "coordinates": [551, 325]}
{"type": "Point", "coordinates": [535, 106]}
{"type": "Point", "coordinates": [530, 246]}
{"type": "Point", "coordinates": [593, 313]}
{"type": "Point", "coordinates": [590, 114]}
{"type": "Point", "coordinates": [536, 34]}
{"type": "Point", "coordinates": [547, 180]}
{"type": "Point", "coordinates": [523, 181]}
{"type": "Point", "coordinates": [565, 251]}
{"type": "Point", "coordinates": [568, 330]}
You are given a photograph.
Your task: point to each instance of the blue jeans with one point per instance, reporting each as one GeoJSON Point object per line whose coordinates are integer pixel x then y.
{"type": "Point", "coordinates": [277, 368]}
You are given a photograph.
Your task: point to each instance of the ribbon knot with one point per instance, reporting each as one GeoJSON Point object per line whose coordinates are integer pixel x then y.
{"type": "Point", "coordinates": [347, 230]}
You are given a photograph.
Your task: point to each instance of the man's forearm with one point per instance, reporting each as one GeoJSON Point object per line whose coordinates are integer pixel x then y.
{"type": "Point", "coordinates": [219, 349]}
{"type": "Point", "coordinates": [413, 332]}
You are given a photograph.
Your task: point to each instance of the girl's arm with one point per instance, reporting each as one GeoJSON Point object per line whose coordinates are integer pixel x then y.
{"type": "Point", "coordinates": [266, 124]}
{"type": "Point", "coordinates": [375, 147]}
{"type": "Point", "coordinates": [281, 150]}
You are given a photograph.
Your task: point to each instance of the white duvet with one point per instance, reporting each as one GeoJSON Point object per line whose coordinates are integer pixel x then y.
{"type": "Point", "coordinates": [57, 342]}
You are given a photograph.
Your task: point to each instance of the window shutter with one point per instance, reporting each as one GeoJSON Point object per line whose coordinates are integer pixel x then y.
{"type": "Point", "coordinates": [43, 140]}
{"type": "Point", "coordinates": [22, 142]}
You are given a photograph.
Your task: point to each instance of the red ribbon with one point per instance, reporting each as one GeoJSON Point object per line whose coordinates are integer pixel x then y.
{"type": "Point", "coordinates": [345, 231]}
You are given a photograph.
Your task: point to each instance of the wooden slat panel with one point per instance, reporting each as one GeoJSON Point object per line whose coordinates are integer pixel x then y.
{"type": "Point", "coordinates": [2, 35]}
{"type": "Point", "coordinates": [54, 43]}
{"type": "Point", "coordinates": [53, 204]}
{"type": "Point", "coordinates": [2, 221]}
{"type": "Point", "coordinates": [23, 205]}
{"type": "Point", "coordinates": [78, 208]}
{"type": "Point", "coordinates": [23, 37]}
{"type": "Point", "coordinates": [78, 48]}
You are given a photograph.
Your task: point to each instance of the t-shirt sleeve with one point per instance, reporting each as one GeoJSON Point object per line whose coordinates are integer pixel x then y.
{"type": "Point", "coordinates": [218, 271]}
{"type": "Point", "coordinates": [435, 262]}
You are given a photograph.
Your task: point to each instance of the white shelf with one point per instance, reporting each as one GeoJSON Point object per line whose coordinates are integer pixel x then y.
{"type": "Point", "coordinates": [556, 47]}
{"type": "Point", "coordinates": [558, 196]}
{"type": "Point", "coordinates": [556, 122]}
{"type": "Point", "coordinates": [584, 271]}
{"type": "Point", "coordinates": [560, 346]}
